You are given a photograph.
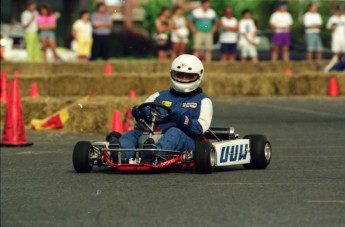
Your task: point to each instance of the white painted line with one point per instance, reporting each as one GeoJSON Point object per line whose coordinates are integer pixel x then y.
{"type": "Point", "coordinates": [258, 183]}
{"type": "Point", "coordinates": [300, 110]}
{"type": "Point", "coordinates": [326, 201]}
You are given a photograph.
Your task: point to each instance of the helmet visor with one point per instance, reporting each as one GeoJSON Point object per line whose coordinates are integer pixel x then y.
{"type": "Point", "coordinates": [183, 77]}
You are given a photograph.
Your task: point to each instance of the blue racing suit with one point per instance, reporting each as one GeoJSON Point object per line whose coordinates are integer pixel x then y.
{"type": "Point", "coordinates": [195, 112]}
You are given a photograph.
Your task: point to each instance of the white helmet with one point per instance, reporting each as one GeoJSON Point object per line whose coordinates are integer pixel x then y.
{"type": "Point", "coordinates": [186, 73]}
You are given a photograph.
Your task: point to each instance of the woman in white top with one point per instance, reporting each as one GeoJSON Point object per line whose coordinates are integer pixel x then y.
{"type": "Point", "coordinates": [336, 24]}
{"type": "Point", "coordinates": [82, 33]}
{"type": "Point", "coordinates": [179, 32]}
{"type": "Point", "coordinates": [312, 23]}
{"type": "Point", "coordinates": [248, 39]}
{"type": "Point", "coordinates": [228, 37]}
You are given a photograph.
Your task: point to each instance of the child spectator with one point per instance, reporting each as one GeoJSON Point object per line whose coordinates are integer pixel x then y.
{"type": "Point", "coordinates": [336, 24]}
{"type": "Point", "coordinates": [102, 23]}
{"type": "Point", "coordinates": [29, 23]}
{"type": "Point", "coordinates": [82, 32]}
{"type": "Point", "coordinates": [163, 31]}
{"type": "Point", "coordinates": [203, 24]}
{"type": "Point", "coordinates": [281, 22]}
{"type": "Point", "coordinates": [47, 24]}
{"type": "Point", "coordinates": [179, 32]}
{"type": "Point", "coordinates": [228, 37]}
{"type": "Point", "coordinates": [312, 23]}
{"type": "Point", "coordinates": [248, 39]}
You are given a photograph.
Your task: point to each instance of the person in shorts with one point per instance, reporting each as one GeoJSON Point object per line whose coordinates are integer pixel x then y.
{"type": "Point", "coordinates": [281, 22]}
{"type": "Point", "coordinates": [248, 38]}
{"type": "Point", "coordinates": [203, 23]}
{"type": "Point", "coordinates": [47, 25]}
{"type": "Point", "coordinates": [82, 32]}
{"type": "Point", "coordinates": [163, 28]}
{"type": "Point", "coordinates": [228, 37]}
{"type": "Point", "coordinates": [313, 23]}
{"type": "Point", "coordinates": [179, 32]}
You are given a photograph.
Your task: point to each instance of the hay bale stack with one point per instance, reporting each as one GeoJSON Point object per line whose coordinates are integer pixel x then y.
{"type": "Point", "coordinates": [148, 67]}
{"type": "Point", "coordinates": [258, 84]}
{"type": "Point", "coordinates": [39, 107]}
{"type": "Point", "coordinates": [96, 114]}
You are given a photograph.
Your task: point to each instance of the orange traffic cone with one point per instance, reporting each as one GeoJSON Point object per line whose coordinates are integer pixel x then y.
{"type": "Point", "coordinates": [16, 74]}
{"type": "Point", "coordinates": [131, 94]}
{"type": "Point", "coordinates": [34, 90]}
{"type": "Point", "coordinates": [108, 70]}
{"type": "Point", "coordinates": [3, 87]}
{"type": "Point", "coordinates": [333, 88]}
{"type": "Point", "coordinates": [128, 122]}
{"type": "Point", "coordinates": [288, 72]}
{"type": "Point", "coordinates": [117, 122]}
{"type": "Point", "coordinates": [14, 131]}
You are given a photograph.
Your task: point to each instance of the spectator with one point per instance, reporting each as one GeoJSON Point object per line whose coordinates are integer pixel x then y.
{"type": "Point", "coordinates": [82, 33]}
{"type": "Point", "coordinates": [312, 23]}
{"type": "Point", "coordinates": [47, 24]}
{"type": "Point", "coordinates": [228, 38]}
{"type": "Point", "coordinates": [163, 29]}
{"type": "Point", "coordinates": [203, 25]}
{"type": "Point", "coordinates": [248, 39]}
{"type": "Point", "coordinates": [102, 23]}
{"type": "Point", "coordinates": [281, 22]}
{"type": "Point", "coordinates": [179, 32]}
{"type": "Point", "coordinates": [2, 48]}
{"type": "Point", "coordinates": [29, 23]}
{"type": "Point", "coordinates": [336, 24]}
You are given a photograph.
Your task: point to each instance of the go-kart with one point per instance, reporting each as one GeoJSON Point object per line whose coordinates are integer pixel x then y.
{"type": "Point", "coordinates": [217, 147]}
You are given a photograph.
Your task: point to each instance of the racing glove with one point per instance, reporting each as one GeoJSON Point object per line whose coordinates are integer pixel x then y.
{"type": "Point", "coordinates": [143, 114]}
{"type": "Point", "coordinates": [181, 121]}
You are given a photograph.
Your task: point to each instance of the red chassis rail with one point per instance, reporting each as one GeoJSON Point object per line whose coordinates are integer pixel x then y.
{"type": "Point", "coordinates": [145, 167]}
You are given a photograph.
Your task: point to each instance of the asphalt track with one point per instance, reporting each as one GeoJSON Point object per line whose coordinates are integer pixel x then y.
{"type": "Point", "coordinates": [303, 186]}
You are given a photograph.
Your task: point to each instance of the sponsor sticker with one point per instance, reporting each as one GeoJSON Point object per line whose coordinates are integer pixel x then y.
{"type": "Point", "coordinates": [191, 105]}
{"type": "Point", "coordinates": [167, 103]}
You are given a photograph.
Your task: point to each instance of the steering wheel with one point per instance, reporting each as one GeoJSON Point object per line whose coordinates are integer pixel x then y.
{"type": "Point", "coordinates": [156, 115]}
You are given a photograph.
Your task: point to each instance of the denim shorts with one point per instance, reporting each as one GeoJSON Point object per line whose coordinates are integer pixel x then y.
{"type": "Point", "coordinates": [47, 35]}
{"type": "Point", "coordinates": [313, 41]}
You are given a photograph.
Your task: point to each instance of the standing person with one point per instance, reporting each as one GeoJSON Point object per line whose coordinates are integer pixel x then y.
{"type": "Point", "coordinates": [82, 32]}
{"type": "Point", "coordinates": [179, 32]}
{"type": "Point", "coordinates": [336, 24]}
{"type": "Point", "coordinates": [102, 23]}
{"type": "Point", "coordinates": [47, 24]}
{"type": "Point", "coordinates": [228, 37]}
{"type": "Point", "coordinates": [248, 38]}
{"type": "Point", "coordinates": [313, 23]}
{"type": "Point", "coordinates": [281, 22]}
{"type": "Point", "coordinates": [162, 26]}
{"type": "Point", "coordinates": [29, 23]}
{"type": "Point", "coordinates": [203, 25]}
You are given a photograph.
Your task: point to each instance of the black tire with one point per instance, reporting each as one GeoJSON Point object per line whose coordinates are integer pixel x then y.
{"type": "Point", "coordinates": [204, 157]}
{"type": "Point", "coordinates": [81, 157]}
{"type": "Point", "coordinates": [260, 152]}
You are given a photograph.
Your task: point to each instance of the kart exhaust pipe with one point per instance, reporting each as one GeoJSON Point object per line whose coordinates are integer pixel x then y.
{"type": "Point", "coordinates": [221, 133]}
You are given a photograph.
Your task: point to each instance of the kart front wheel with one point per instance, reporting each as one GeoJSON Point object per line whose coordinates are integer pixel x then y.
{"type": "Point", "coordinates": [260, 152]}
{"type": "Point", "coordinates": [204, 157]}
{"type": "Point", "coordinates": [82, 157]}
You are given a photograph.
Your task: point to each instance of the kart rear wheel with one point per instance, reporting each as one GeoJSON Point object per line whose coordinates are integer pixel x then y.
{"type": "Point", "coordinates": [260, 152]}
{"type": "Point", "coordinates": [82, 153]}
{"type": "Point", "coordinates": [204, 157]}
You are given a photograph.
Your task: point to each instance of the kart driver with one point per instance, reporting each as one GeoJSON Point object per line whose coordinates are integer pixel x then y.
{"type": "Point", "coordinates": [192, 110]}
